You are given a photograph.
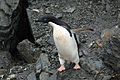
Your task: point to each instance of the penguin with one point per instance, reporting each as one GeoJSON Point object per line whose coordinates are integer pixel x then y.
{"type": "Point", "coordinates": [65, 41]}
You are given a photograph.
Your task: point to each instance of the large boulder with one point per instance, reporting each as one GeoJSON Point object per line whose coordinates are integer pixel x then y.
{"type": "Point", "coordinates": [14, 25]}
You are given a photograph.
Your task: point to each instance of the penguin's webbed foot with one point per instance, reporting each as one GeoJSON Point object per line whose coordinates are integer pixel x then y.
{"type": "Point", "coordinates": [61, 68]}
{"type": "Point", "coordinates": [77, 66]}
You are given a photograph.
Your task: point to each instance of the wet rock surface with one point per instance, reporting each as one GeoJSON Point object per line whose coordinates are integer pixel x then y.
{"type": "Point", "coordinates": [97, 63]}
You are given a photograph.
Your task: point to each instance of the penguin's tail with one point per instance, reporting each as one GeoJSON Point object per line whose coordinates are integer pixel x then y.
{"type": "Point", "coordinates": [82, 29]}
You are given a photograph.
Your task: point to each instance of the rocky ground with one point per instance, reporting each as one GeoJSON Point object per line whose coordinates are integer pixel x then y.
{"type": "Point", "coordinates": [99, 49]}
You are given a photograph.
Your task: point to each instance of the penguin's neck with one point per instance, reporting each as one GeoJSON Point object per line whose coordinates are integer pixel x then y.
{"type": "Point", "coordinates": [52, 24]}
{"type": "Point", "coordinates": [58, 30]}
{"type": "Point", "coordinates": [55, 26]}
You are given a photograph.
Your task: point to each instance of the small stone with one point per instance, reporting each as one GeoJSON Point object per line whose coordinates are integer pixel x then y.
{"type": "Point", "coordinates": [84, 52]}
{"type": "Point", "coordinates": [16, 69]}
{"type": "Point", "coordinates": [99, 44]}
{"type": "Point", "coordinates": [39, 40]}
{"type": "Point", "coordinates": [91, 44]}
{"type": "Point", "coordinates": [55, 50]}
{"type": "Point", "coordinates": [118, 16]}
{"type": "Point", "coordinates": [35, 10]}
{"type": "Point", "coordinates": [51, 41]}
{"type": "Point", "coordinates": [1, 76]}
{"type": "Point", "coordinates": [38, 65]}
{"type": "Point", "coordinates": [97, 72]}
{"type": "Point", "coordinates": [107, 7]}
{"type": "Point", "coordinates": [47, 10]}
{"type": "Point", "coordinates": [59, 16]}
{"type": "Point", "coordinates": [56, 6]}
{"type": "Point", "coordinates": [5, 59]}
{"type": "Point", "coordinates": [44, 60]}
{"type": "Point", "coordinates": [12, 76]}
{"type": "Point", "coordinates": [69, 10]}
{"type": "Point", "coordinates": [2, 71]}
{"type": "Point", "coordinates": [118, 65]}
{"type": "Point", "coordinates": [105, 35]}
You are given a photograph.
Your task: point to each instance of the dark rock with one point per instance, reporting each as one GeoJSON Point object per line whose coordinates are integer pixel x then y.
{"type": "Point", "coordinates": [38, 65]}
{"type": "Point", "coordinates": [54, 75]}
{"type": "Point", "coordinates": [111, 59]}
{"type": "Point", "coordinates": [44, 76]}
{"type": "Point", "coordinates": [27, 51]}
{"type": "Point", "coordinates": [5, 59]}
{"type": "Point", "coordinates": [106, 77]}
{"type": "Point", "coordinates": [42, 62]}
{"type": "Point", "coordinates": [22, 72]}
{"type": "Point", "coordinates": [91, 64]}
{"type": "Point", "coordinates": [6, 9]}
{"type": "Point", "coordinates": [51, 41]}
{"type": "Point", "coordinates": [31, 76]}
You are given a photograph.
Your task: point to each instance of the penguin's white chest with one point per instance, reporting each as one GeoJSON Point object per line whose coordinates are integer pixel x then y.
{"type": "Point", "coordinates": [66, 45]}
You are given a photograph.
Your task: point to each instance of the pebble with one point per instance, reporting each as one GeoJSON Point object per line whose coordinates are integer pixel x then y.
{"type": "Point", "coordinates": [35, 10]}
{"type": "Point", "coordinates": [47, 10]}
{"type": "Point", "coordinates": [91, 44]}
{"type": "Point", "coordinates": [59, 16]}
{"type": "Point", "coordinates": [16, 69]}
{"type": "Point", "coordinates": [105, 35]}
{"type": "Point", "coordinates": [39, 40]}
{"type": "Point", "coordinates": [69, 10]}
{"type": "Point", "coordinates": [12, 76]}
{"type": "Point", "coordinates": [1, 76]}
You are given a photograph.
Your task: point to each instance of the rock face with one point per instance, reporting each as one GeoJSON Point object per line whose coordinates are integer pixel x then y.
{"type": "Point", "coordinates": [97, 63]}
{"type": "Point", "coordinates": [15, 27]}
{"type": "Point", "coordinates": [6, 9]}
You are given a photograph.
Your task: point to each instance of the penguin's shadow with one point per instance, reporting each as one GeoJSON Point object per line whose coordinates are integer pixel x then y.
{"type": "Point", "coordinates": [69, 65]}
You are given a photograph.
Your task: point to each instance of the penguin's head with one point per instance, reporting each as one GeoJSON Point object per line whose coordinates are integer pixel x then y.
{"type": "Point", "coordinates": [54, 20]}
{"type": "Point", "coordinates": [46, 19]}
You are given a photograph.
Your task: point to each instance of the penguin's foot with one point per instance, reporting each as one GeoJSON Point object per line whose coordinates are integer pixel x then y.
{"type": "Point", "coordinates": [61, 68]}
{"type": "Point", "coordinates": [77, 66]}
